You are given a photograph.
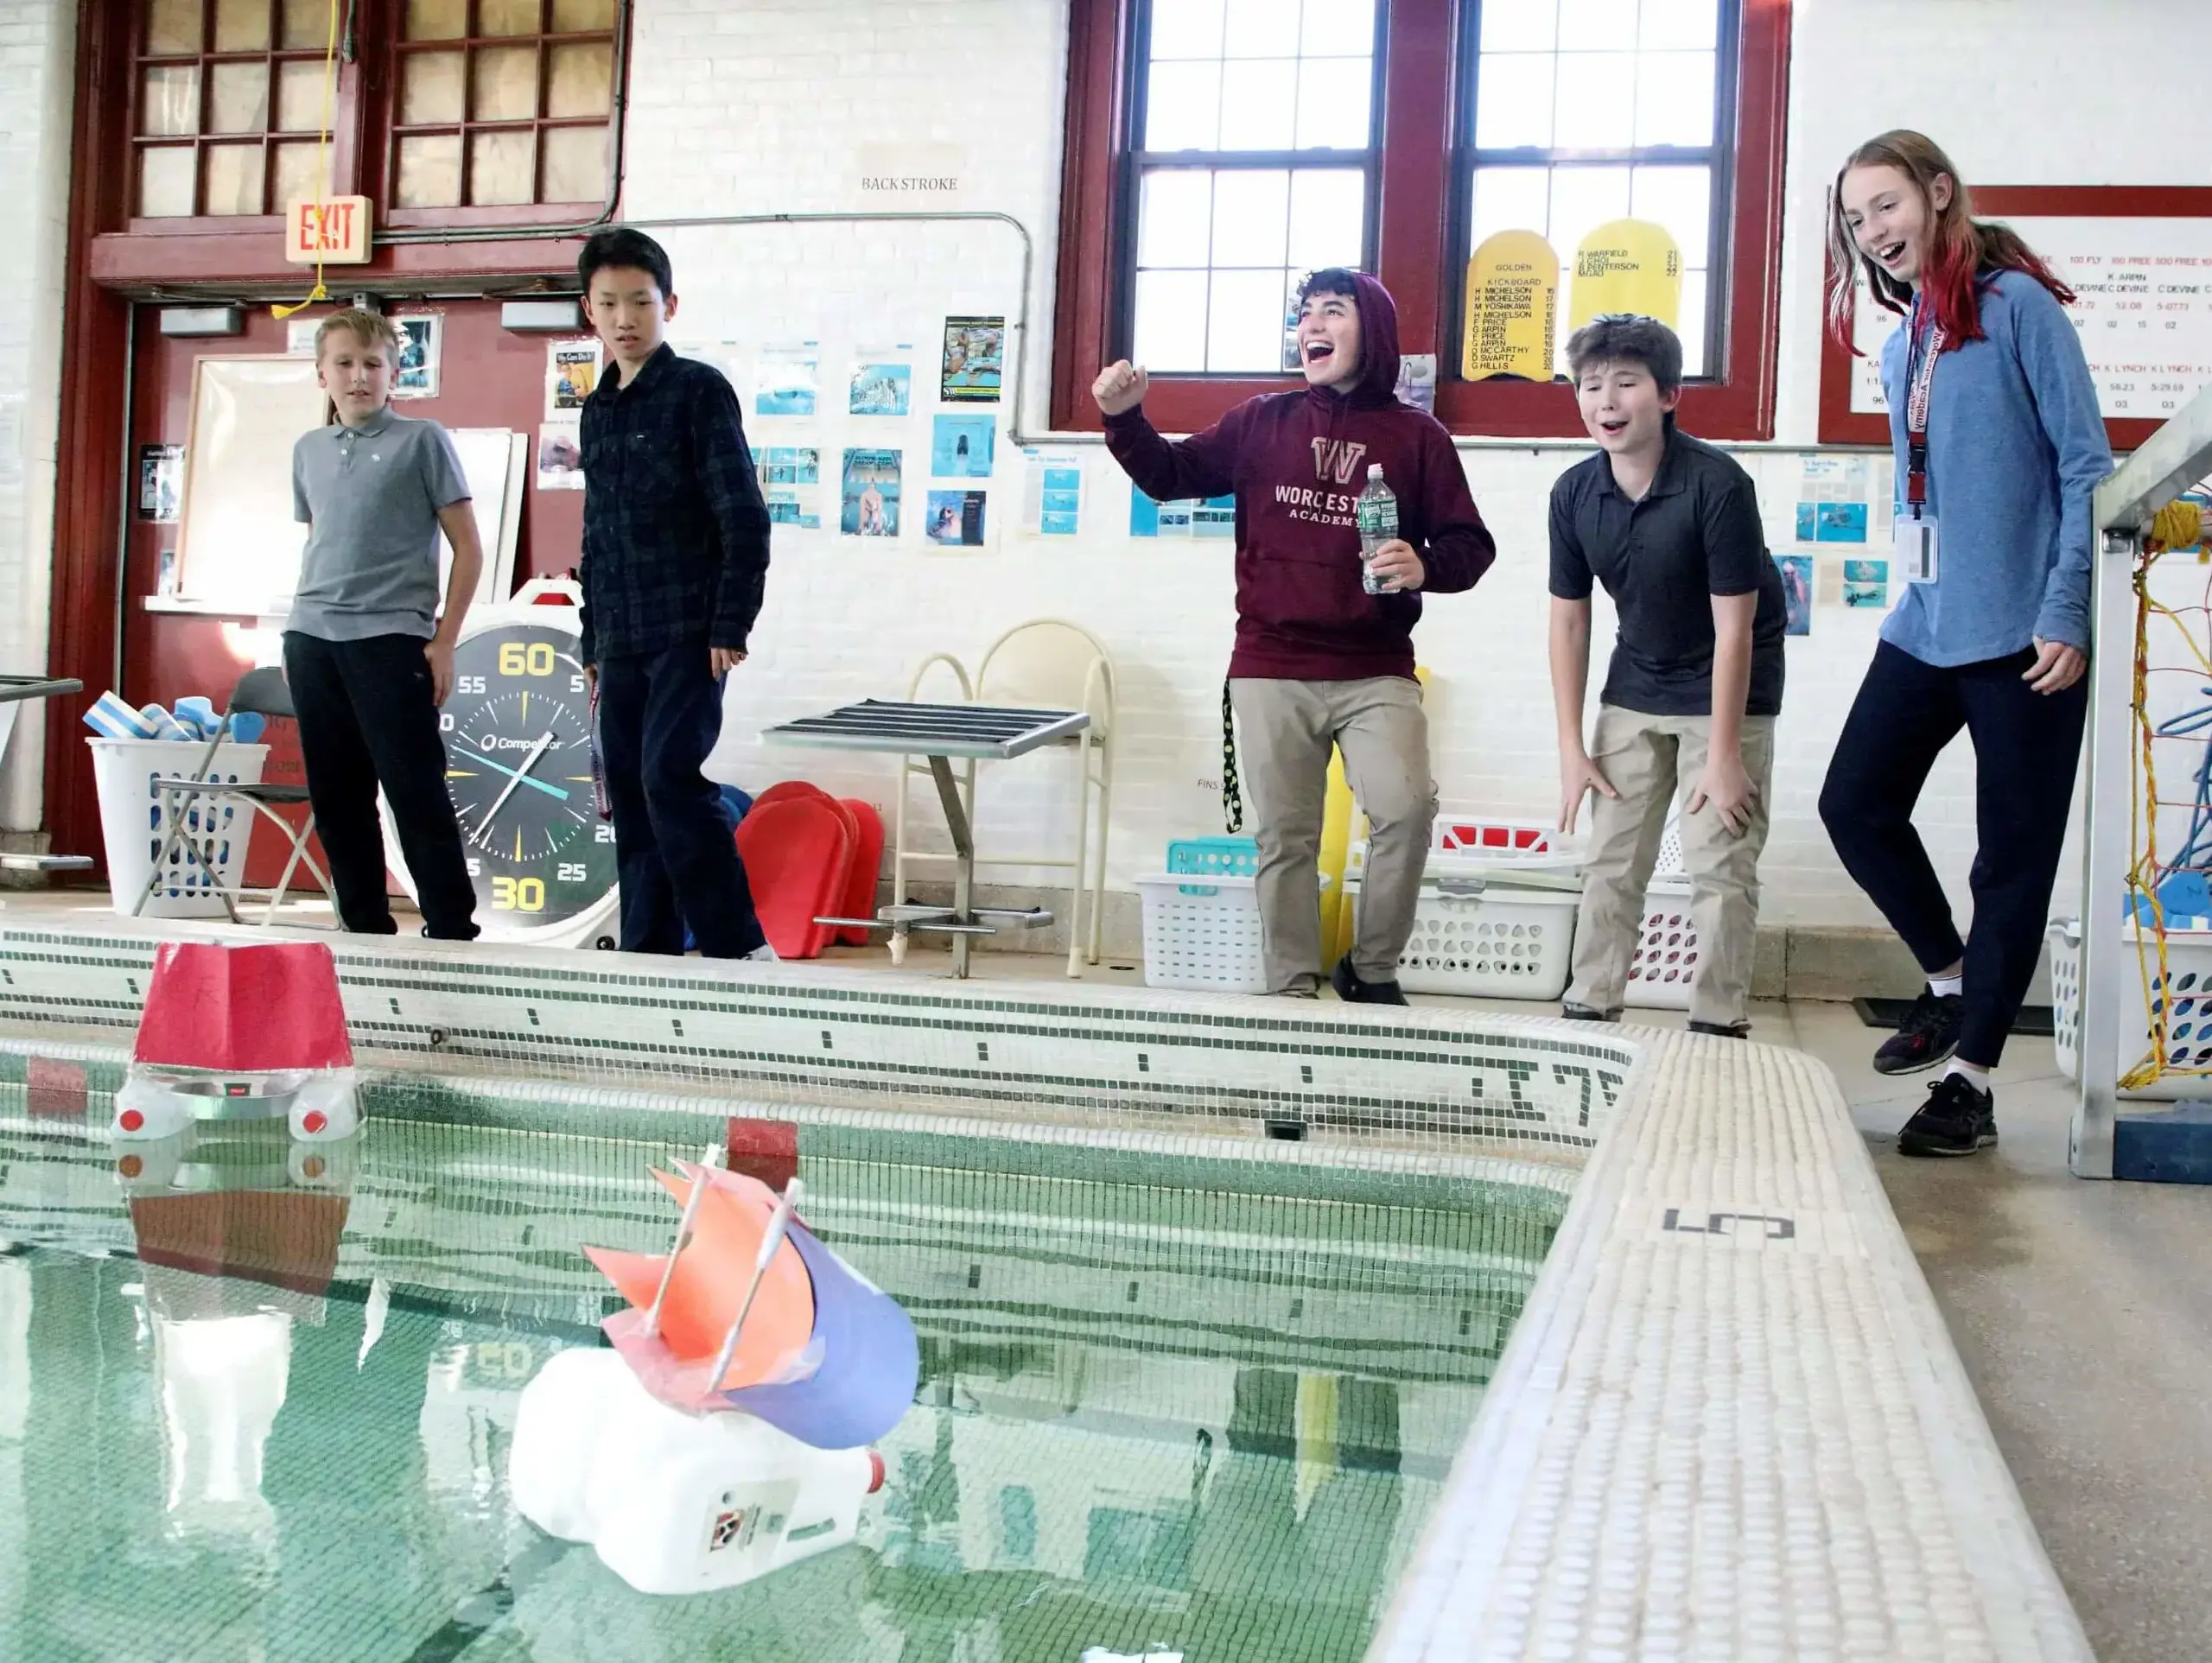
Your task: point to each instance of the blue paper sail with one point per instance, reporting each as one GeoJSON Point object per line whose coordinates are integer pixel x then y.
{"type": "Point", "coordinates": [870, 1360]}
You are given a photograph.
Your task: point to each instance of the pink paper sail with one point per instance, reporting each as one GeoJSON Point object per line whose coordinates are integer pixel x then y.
{"type": "Point", "coordinates": [824, 1356]}
{"type": "Point", "coordinates": [704, 1297]}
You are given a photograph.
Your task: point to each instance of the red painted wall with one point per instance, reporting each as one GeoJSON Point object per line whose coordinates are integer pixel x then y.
{"type": "Point", "coordinates": [488, 378]}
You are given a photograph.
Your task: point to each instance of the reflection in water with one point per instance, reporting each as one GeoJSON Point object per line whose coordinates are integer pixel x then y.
{"type": "Point", "coordinates": [274, 1421]}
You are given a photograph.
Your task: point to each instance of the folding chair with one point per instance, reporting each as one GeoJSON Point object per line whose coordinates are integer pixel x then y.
{"type": "Point", "coordinates": [260, 693]}
{"type": "Point", "coordinates": [1048, 662]}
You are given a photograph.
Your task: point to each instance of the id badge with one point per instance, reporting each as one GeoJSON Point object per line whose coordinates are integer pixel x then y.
{"type": "Point", "coordinates": [1914, 549]}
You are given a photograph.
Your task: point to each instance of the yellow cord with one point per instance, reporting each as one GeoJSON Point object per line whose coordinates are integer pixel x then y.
{"type": "Point", "coordinates": [2179, 524]}
{"type": "Point", "coordinates": [323, 165]}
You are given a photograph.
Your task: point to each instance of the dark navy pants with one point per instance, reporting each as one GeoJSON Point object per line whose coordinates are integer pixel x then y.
{"type": "Point", "coordinates": [2025, 747]}
{"type": "Point", "coordinates": [659, 714]}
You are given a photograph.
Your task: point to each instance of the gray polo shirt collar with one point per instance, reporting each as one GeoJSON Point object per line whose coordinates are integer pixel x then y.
{"type": "Point", "coordinates": [371, 428]}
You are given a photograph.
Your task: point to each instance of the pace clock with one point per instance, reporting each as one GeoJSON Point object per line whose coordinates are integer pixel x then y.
{"type": "Point", "coordinates": [517, 736]}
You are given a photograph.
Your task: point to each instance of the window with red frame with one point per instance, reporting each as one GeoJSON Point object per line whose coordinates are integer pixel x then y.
{"type": "Point", "coordinates": [1582, 111]}
{"type": "Point", "coordinates": [1181, 223]}
{"type": "Point", "coordinates": [501, 102]}
{"type": "Point", "coordinates": [1255, 127]}
{"type": "Point", "coordinates": [504, 105]}
{"type": "Point", "coordinates": [230, 99]}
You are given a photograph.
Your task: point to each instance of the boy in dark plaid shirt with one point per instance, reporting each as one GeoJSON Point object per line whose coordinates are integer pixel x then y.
{"type": "Point", "coordinates": [674, 555]}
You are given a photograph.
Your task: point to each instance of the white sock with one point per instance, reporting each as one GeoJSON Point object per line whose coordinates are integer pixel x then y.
{"type": "Point", "coordinates": [1974, 1076]}
{"type": "Point", "coordinates": [1948, 986]}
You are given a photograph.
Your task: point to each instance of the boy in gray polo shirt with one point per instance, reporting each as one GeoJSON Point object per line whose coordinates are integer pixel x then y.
{"type": "Point", "coordinates": [367, 658]}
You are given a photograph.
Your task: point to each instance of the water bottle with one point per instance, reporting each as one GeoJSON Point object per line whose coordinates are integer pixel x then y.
{"type": "Point", "coordinates": [1376, 511]}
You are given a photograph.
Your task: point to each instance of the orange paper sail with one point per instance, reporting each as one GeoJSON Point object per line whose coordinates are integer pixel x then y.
{"type": "Point", "coordinates": [704, 1296]}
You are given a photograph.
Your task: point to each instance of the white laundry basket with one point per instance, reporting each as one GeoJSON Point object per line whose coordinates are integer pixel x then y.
{"type": "Point", "coordinates": [1487, 939]}
{"type": "Point", "coordinates": [131, 824]}
{"type": "Point", "coordinates": [2188, 1022]}
{"type": "Point", "coordinates": [1662, 970]}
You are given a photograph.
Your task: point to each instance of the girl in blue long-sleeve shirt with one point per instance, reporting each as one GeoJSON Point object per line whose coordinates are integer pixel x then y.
{"type": "Point", "coordinates": [2000, 446]}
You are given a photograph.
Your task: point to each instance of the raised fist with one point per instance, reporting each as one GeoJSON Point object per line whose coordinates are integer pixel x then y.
{"type": "Point", "coordinates": [1120, 387]}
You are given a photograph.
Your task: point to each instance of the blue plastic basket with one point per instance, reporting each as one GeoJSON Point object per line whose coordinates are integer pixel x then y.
{"type": "Point", "coordinates": [1214, 857]}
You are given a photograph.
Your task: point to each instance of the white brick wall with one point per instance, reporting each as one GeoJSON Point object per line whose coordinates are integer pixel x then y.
{"type": "Point", "coordinates": [760, 106]}
{"type": "Point", "coordinates": [37, 47]}
{"type": "Point", "coordinates": [780, 106]}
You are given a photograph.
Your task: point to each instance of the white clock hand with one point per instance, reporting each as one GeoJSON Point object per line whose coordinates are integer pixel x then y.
{"type": "Point", "coordinates": [483, 831]}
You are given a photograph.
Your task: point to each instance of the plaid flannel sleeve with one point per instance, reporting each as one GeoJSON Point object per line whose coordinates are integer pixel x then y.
{"type": "Point", "coordinates": [740, 517]}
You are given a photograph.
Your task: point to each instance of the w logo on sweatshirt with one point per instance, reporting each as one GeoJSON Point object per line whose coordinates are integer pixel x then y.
{"type": "Point", "coordinates": [1336, 460]}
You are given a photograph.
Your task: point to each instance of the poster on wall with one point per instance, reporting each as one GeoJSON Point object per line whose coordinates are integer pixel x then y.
{"type": "Point", "coordinates": [571, 371]}
{"type": "Point", "coordinates": [785, 379]}
{"type": "Point", "coordinates": [2142, 309]}
{"type": "Point", "coordinates": [961, 447]}
{"type": "Point", "coordinates": [1866, 583]}
{"type": "Point", "coordinates": [560, 456]}
{"type": "Point", "coordinates": [1051, 495]}
{"type": "Point", "coordinates": [160, 482]}
{"type": "Point", "coordinates": [790, 481]}
{"type": "Point", "coordinates": [1834, 499]}
{"type": "Point", "coordinates": [882, 382]}
{"type": "Point", "coordinates": [724, 355]}
{"type": "Point", "coordinates": [870, 504]}
{"type": "Point", "coordinates": [955, 519]}
{"type": "Point", "coordinates": [422, 347]}
{"type": "Point", "coordinates": [975, 356]}
{"type": "Point", "coordinates": [1199, 517]}
{"type": "Point", "coordinates": [1797, 592]}
{"type": "Point", "coordinates": [1417, 381]}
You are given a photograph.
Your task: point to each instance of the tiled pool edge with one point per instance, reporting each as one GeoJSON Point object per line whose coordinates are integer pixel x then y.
{"type": "Point", "coordinates": [1621, 1503]}
{"type": "Point", "coordinates": [1730, 1284]}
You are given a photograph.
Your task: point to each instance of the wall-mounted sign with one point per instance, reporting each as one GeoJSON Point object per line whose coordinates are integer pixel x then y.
{"type": "Point", "coordinates": [1512, 307]}
{"type": "Point", "coordinates": [332, 229]}
{"type": "Point", "coordinates": [909, 176]}
{"type": "Point", "coordinates": [1627, 266]}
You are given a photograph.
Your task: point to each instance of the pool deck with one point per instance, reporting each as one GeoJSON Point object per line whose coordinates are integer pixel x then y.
{"type": "Point", "coordinates": [1731, 1425]}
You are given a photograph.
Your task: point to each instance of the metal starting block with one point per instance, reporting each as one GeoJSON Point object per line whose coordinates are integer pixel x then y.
{"type": "Point", "coordinates": [901, 920]}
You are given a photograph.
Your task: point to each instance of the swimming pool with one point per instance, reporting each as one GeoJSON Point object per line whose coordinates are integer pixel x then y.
{"type": "Point", "coordinates": [1170, 1402]}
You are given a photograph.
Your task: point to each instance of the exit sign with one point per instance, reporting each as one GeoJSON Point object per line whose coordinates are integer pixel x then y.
{"type": "Point", "coordinates": [332, 229]}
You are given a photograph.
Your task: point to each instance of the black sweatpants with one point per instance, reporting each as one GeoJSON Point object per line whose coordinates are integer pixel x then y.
{"type": "Point", "coordinates": [2026, 747]}
{"type": "Point", "coordinates": [659, 715]}
{"type": "Point", "coordinates": [368, 718]}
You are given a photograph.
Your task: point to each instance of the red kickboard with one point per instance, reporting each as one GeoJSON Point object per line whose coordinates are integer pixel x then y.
{"type": "Point", "coordinates": [785, 790]}
{"type": "Point", "coordinates": [868, 861]}
{"type": "Point", "coordinates": [252, 1009]}
{"type": "Point", "coordinates": [796, 852]}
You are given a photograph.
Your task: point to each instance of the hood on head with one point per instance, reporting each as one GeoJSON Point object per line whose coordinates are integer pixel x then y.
{"type": "Point", "coordinates": [1378, 346]}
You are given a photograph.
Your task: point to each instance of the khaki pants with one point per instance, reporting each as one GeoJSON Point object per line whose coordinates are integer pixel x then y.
{"type": "Point", "coordinates": [1285, 730]}
{"type": "Point", "coordinates": [1652, 760]}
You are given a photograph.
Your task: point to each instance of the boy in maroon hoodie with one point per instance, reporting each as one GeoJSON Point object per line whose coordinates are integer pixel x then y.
{"type": "Point", "coordinates": [1318, 662]}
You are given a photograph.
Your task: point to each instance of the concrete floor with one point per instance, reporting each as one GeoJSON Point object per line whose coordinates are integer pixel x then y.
{"type": "Point", "coordinates": [2083, 1310]}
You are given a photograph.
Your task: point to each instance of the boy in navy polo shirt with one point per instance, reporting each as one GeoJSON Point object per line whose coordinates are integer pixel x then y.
{"type": "Point", "coordinates": [1670, 526]}
{"type": "Point", "coordinates": [366, 656]}
{"type": "Point", "coordinates": [675, 558]}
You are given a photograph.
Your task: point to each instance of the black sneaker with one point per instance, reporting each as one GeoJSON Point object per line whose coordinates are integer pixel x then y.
{"type": "Point", "coordinates": [1723, 1029]}
{"type": "Point", "coordinates": [1350, 989]}
{"type": "Point", "coordinates": [1958, 1118]}
{"type": "Point", "coordinates": [1928, 1035]}
{"type": "Point", "coordinates": [1584, 1013]}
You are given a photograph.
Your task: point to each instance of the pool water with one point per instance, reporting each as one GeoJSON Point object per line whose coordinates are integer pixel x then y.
{"type": "Point", "coordinates": [250, 1412]}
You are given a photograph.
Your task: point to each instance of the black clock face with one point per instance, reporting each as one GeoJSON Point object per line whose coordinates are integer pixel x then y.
{"type": "Point", "coordinates": [517, 733]}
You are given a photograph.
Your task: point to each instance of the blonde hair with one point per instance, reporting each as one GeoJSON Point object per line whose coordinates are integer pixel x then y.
{"type": "Point", "coordinates": [370, 327]}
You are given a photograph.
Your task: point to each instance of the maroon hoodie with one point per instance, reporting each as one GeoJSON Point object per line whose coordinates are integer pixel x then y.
{"type": "Point", "coordinates": [1296, 462]}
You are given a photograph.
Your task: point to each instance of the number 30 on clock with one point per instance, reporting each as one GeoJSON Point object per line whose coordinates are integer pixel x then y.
{"type": "Point", "coordinates": [518, 894]}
